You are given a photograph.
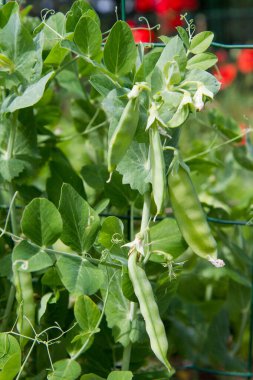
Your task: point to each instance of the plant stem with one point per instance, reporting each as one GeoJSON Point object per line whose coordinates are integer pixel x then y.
{"type": "Point", "coordinates": [13, 218]}
{"type": "Point", "coordinates": [145, 213]}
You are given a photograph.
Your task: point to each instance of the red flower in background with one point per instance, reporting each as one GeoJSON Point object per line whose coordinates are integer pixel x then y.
{"type": "Point", "coordinates": [141, 35]}
{"type": "Point", "coordinates": [245, 61]}
{"type": "Point", "coordinates": [244, 129]}
{"type": "Point", "coordinates": [226, 74]}
{"type": "Point", "coordinates": [222, 55]}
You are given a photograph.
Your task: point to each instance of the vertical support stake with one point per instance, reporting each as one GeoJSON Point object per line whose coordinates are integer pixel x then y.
{"type": "Point", "coordinates": [123, 10]}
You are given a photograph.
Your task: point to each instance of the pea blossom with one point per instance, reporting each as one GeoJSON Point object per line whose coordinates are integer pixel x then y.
{"type": "Point", "coordinates": [198, 98]}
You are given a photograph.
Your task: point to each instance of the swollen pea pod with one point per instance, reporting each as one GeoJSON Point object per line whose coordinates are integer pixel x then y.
{"type": "Point", "coordinates": [157, 168]}
{"type": "Point", "coordinates": [124, 133]}
{"type": "Point", "coordinates": [149, 310]}
{"type": "Point", "coordinates": [189, 214]}
{"type": "Point", "coordinates": [26, 304]}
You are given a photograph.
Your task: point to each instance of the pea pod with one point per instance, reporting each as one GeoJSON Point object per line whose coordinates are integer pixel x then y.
{"type": "Point", "coordinates": [26, 305]}
{"type": "Point", "coordinates": [149, 310]}
{"type": "Point", "coordinates": [124, 133]}
{"type": "Point", "coordinates": [157, 168]}
{"type": "Point", "coordinates": [189, 214]}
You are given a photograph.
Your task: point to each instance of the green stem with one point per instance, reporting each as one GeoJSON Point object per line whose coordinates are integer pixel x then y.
{"type": "Point", "coordinates": [13, 218]}
{"type": "Point", "coordinates": [145, 213]}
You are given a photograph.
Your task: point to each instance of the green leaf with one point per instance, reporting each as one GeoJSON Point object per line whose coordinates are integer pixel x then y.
{"type": "Point", "coordinates": [166, 238]}
{"type": "Point", "coordinates": [80, 221]}
{"type": "Point", "coordinates": [201, 42]}
{"type": "Point", "coordinates": [6, 11]}
{"type": "Point", "coordinates": [43, 304]}
{"type": "Point", "coordinates": [209, 81]}
{"type": "Point", "coordinates": [120, 50]}
{"type": "Point", "coordinates": [120, 195]}
{"type": "Point", "coordinates": [79, 276]}
{"type": "Point", "coordinates": [65, 369]}
{"type": "Point", "coordinates": [30, 96]}
{"type": "Point", "coordinates": [77, 10]}
{"type": "Point", "coordinates": [56, 55]}
{"type": "Point", "coordinates": [62, 172]}
{"type": "Point", "coordinates": [174, 50]}
{"type": "Point", "coordinates": [11, 168]}
{"type": "Point", "coordinates": [6, 266]}
{"type": "Point", "coordinates": [95, 176]}
{"type": "Point", "coordinates": [10, 357]}
{"type": "Point", "coordinates": [117, 308]}
{"type": "Point", "coordinates": [19, 48]}
{"type": "Point", "coordinates": [202, 61]}
{"type": "Point", "coordinates": [149, 61]}
{"type": "Point", "coordinates": [91, 376]}
{"type": "Point", "coordinates": [87, 314]}
{"type": "Point", "coordinates": [183, 35]}
{"type": "Point", "coordinates": [68, 79]}
{"type": "Point", "coordinates": [35, 258]}
{"type": "Point", "coordinates": [102, 84]}
{"type": "Point", "coordinates": [111, 236]}
{"type": "Point", "coordinates": [41, 222]}
{"type": "Point", "coordinates": [134, 167]}
{"type": "Point", "coordinates": [54, 32]}
{"type": "Point", "coordinates": [88, 36]}
{"type": "Point", "coordinates": [120, 375]}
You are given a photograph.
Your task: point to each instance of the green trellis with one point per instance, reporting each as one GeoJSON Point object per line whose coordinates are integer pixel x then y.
{"type": "Point", "coordinates": [248, 375]}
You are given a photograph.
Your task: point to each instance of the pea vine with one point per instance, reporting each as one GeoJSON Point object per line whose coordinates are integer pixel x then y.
{"type": "Point", "coordinates": [91, 123]}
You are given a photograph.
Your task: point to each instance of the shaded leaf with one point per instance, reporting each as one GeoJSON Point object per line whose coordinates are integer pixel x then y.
{"type": "Point", "coordinates": [41, 222]}
{"type": "Point", "coordinates": [134, 167]}
{"type": "Point", "coordinates": [80, 221]}
{"type": "Point", "coordinates": [35, 258]}
{"type": "Point", "coordinates": [79, 276]}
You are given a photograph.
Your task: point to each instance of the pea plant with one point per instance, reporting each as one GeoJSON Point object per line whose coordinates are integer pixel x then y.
{"type": "Point", "coordinates": [90, 127]}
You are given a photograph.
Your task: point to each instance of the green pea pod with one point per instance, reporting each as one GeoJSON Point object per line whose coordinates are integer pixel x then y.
{"type": "Point", "coordinates": [157, 168]}
{"type": "Point", "coordinates": [26, 305]}
{"type": "Point", "coordinates": [124, 133]}
{"type": "Point", "coordinates": [149, 310]}
{"type": "Point", "coordinates": [189, 214]}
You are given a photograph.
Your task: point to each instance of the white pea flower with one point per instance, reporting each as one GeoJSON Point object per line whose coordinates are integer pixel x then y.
{"type": "Point", "coordinates": [136, 244]}
{"type": "Point", "coordinates": [198, 98]}
{"type": "Point", "coordinates": [187, 99]}
{"type": "Point", "coordinates": [218, 263]}
{"type": "Point", "coordinates": [153, 116]}
{"type": "Point", "coordinates": [137, 89]}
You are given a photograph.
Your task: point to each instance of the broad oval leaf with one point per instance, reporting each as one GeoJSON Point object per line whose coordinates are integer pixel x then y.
{"type": "Point", "coordinates": [65, 369]}
{"type": "Point", "coordinates": [120, 50]}
{"type": "Point", "coordinates": [31, 95]}
{"type": "Point", "coordinates": [135, 167]}
{"type": "Point", "coordinates": [86, 313]}
{"type": "Point", "coordinates": [34, 258]}
{"type": "Point", "coordinates": [117, 308]}
{"type": "Point", "coordinates": [41, 222]}
{"type": "Point", "coordinates": [201, 42]}
{"type": "Point", "coordinates": [80, 221]}
{"type": "Point", "coordinates": [202, 61]}
{"type": "Point", "coordinates": [77, 10]}
{"type": "Point", "coordinates": [91, 376]}
{"type": "Point", "coordinates": [10, 357]}
{"type": "Point", "coordinates": [79, 276]}
{"type": "Point", "coordinates": [166, 240]}
{"type": "Point", "coordinates": [88, 36]}
{"type": "Point", "coordinates": [120, 375]}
